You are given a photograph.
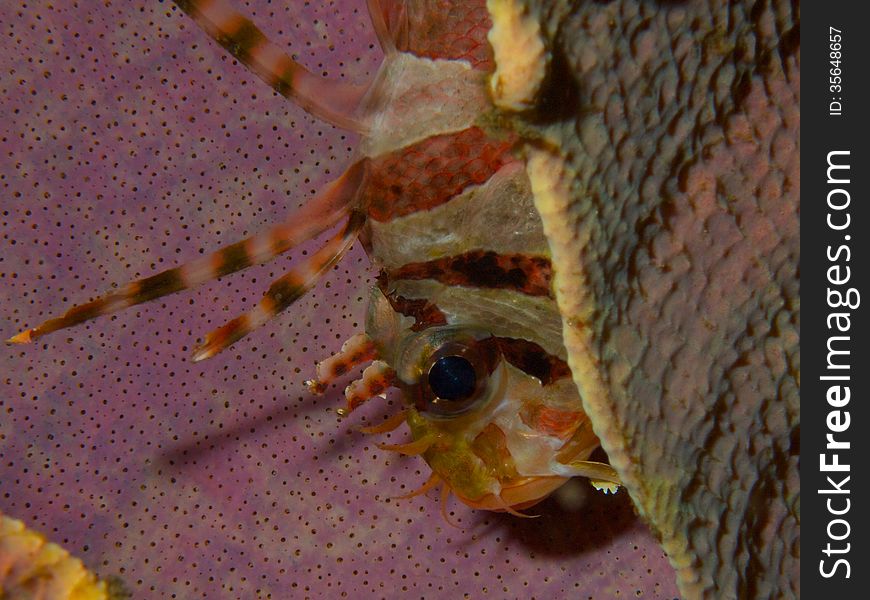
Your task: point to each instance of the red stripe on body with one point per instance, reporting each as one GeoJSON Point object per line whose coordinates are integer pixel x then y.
{"type": "Point", "coordinates": [530, 358]}
{"type": "Point", "coordinates": [448, 29]}
{"type": "Point", "coordinates": [484, 269]}
{"type": "Point", "coordinates": [431, 172]}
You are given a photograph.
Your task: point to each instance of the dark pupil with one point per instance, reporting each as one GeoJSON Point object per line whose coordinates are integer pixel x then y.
{"type": "Point", "coordinates": [452, 378]}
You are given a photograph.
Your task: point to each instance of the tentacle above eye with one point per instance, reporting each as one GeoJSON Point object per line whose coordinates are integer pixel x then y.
{"type": "Point", "coordinates": [376, 380]}
{"type": "Point", "coordinates": [332, 101]}
{"type": "Point", "coordinates": [357, 350]}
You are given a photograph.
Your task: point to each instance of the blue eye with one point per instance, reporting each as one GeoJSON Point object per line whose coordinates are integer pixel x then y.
{"type": "Point", "coordinates": [452, 378]}
{"type": "Point", "coordinates": [452, 373]}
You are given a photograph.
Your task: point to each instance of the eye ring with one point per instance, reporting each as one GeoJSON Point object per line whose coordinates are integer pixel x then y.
{"type": "Point", "coordinates": [455, 378]}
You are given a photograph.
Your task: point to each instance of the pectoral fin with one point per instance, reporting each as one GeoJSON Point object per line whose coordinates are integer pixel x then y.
{"type": "Point", "coordinates": [601, 475]}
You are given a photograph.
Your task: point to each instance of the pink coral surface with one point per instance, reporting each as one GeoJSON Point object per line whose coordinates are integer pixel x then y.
{"type": "Point", "coordinates": [130, 143]}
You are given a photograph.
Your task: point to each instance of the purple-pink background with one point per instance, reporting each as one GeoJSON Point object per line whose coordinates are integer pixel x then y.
{"type": "Point", "coordinates": [130, 143]}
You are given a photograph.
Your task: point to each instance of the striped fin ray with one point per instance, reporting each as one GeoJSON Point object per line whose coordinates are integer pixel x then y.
{"type": "Point", "coordinates": [386, 37]}
{"type": "Point", "coordinates": [312, 219]}
{"type": "Point", "coordinates": [283, 292]}
{"type": "Point", "coordinates": [330, 100]}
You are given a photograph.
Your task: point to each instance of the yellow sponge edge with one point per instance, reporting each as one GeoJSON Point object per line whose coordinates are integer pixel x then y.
{"type": "Point", "coordinates": [521, 57]}
{"type": "Point", "coordinates": [32, 567]}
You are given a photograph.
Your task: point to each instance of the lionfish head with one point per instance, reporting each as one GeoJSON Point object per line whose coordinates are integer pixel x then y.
{"type": "Point", "coordinates": [498, 419]}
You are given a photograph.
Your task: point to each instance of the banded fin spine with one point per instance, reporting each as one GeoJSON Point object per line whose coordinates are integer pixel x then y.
{"type": "Point", "coordinates": [311, 220]}
{"type": "Point", "coordinates": [283, 292]}
{"type": "Point", "coordinates": [333, 101]}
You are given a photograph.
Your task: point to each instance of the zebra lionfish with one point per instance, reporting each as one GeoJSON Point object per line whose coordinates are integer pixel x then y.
{"type": "Point", "coordinates": [462, 319]}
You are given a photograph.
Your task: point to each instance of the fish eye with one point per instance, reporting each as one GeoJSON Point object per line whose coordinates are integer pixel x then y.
{"type": "Point", "coordinates": [452, 378]}
{"type": "Point", "coordinates": [455, 378]}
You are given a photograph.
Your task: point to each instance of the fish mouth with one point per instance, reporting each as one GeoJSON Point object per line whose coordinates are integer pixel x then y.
{"type": "Point", "coordinates": [516, 495]}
